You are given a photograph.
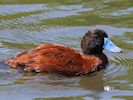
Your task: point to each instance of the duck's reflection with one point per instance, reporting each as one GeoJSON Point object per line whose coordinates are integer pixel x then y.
{"type": "Point", "coordinates": [95, 82]}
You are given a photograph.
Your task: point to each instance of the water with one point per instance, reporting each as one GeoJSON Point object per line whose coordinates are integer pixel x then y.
{"type": "Point", "coordinates": [24, 24]}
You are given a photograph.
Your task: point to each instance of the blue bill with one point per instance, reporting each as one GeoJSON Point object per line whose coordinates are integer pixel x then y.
{"type": "Point", "coordinates": [110, 46]}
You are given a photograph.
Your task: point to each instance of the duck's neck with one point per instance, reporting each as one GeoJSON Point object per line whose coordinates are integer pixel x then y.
{"type": "Point", "coordinates": [102, 57]}
{"type": "Point", "coordinates": [92, 51]}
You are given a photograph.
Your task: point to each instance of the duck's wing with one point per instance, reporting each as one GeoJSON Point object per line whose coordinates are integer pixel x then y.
{"type": "Point", "coordinates": [48, 58]}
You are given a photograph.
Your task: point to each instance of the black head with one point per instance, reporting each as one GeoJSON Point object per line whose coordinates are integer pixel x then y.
{"type": "Point", "coordinates": [93, 41]}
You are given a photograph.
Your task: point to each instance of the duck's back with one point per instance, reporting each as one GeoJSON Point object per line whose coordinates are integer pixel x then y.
{"type": "Point", "coordinates": [48, 58]}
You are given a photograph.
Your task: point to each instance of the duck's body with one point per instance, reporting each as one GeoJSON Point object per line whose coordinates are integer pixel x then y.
{"type": "Point", "coordinates": [65, 60]}
{"type": "Point", "coordinates": [55, 59]}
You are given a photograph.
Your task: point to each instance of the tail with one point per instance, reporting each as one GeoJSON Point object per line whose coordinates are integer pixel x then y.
{"type": "Point", "coordinates": [12, 62]}
{"type": "Point", "coordinates": [16, 61]}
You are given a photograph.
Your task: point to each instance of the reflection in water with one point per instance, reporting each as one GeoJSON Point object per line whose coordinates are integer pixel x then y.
{"type": "Point", "coordinates": [26, 24]}
{"type": "Point", "coordinates": [93, 82]}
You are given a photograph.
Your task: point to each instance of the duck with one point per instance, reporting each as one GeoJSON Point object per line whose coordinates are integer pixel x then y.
{"type": "Point", "coordinates": [65, 60]}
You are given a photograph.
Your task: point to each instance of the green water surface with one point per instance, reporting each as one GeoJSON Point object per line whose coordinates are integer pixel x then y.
{"type": "Point", "coordinates": [24, 24]}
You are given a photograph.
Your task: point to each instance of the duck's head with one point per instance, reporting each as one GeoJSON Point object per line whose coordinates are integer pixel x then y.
{"type": "Point", "coordinates": [94, 41]}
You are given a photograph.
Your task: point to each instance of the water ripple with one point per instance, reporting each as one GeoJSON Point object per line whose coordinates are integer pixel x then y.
{"type": "Point", "coordinates": [114, 71]}
{"type": "Point", "coordinates": [37, 18]}
{"type": "Point", "coordinates": [122, 12]}
{"type": "Point", "coordinates": [13, 9]}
